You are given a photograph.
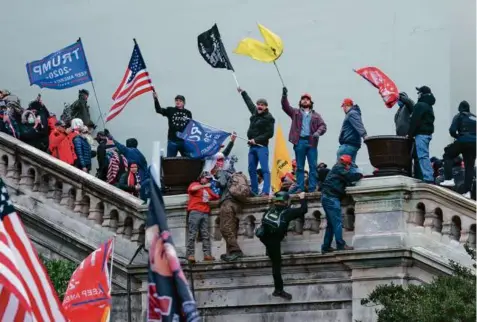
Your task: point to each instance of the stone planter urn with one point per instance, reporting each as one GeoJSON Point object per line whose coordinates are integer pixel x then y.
{"type": "Point", "coordinates": [390, 154]}
{"type": "Point", "coordinates": [178, 173]}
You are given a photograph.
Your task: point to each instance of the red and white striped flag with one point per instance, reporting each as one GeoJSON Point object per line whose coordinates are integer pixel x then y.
{"type": "Point", "coordinates": [136, 81]}
{"type": "Point", "coordinates": [26, 292]}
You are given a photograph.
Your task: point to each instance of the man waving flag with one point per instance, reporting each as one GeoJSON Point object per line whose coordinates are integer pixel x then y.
{"type": "Point", "coordinates": [136, 81]}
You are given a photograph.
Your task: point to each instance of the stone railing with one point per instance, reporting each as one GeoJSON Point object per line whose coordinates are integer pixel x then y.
{"type": "Point", "coordinates": [401, 212]}
{"type": "Point", "coordinates": [378, 213]}
{"type": "Point", "coordinates": [37, 174]}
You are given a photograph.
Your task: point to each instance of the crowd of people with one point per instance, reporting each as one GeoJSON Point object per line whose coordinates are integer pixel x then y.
{"type": "Point", "coordinates": [70, 139]}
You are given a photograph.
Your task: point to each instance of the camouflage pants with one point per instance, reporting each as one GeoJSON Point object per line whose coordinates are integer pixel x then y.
{"type": "Point", "coordinates": [229, 225]}
{"type": "Point", "coordinates": [198, 222]}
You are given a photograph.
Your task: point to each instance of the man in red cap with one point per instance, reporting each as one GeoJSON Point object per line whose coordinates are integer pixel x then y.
{"type": "Point", "coordinates": [352, 130]}
{"type": "Point", "coordinates": [344, 173]}
{"type": "Point", "coordinates": [306, 128]}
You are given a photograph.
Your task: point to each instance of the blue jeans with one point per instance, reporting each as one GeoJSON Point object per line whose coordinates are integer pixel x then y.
{"type": "Point", "coordinates": [303, 151]}
{"type": "Point", "coordinates": [175, 147]}
{"type": "Point", "coordinates": [258, 154]}
{"type": "Point", "coordinates": [350, 150]}
{"type": "Point", "coordinates": [334, 225]}
{"type": "Point", "coordinates": [422, 151]}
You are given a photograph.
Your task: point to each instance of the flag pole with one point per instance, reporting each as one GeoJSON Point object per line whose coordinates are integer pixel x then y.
{"type": "Point", "coordinates": [94, 89]}
{"type": "Point", "coordinates": [235, 78]}
{"type": "Point", "coordinates": [279, 74]}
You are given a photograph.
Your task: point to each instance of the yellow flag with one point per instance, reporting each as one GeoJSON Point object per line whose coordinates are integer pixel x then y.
{"type": "Point", "coordinates": [266, 52]}
{"type": "Point", "coordinates": [272, 40]}
{"type": "Point", "coordinates": [281, 160]}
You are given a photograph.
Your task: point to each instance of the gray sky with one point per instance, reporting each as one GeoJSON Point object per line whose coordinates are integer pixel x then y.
{"type": "Point", "coordinates": [416, 42]}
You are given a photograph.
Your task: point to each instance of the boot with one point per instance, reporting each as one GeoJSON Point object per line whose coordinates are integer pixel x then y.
{"type": "Point", "coordinates": [231, 257]}
{"type": "Point", "coordinates": [282, 294]}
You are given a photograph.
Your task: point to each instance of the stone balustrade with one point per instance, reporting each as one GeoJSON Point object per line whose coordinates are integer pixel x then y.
{"type": "Point", "coordinates": [29, 171]}
{"type": "Point", "coordinates": [401, 212]}
{"type": "Point", "coordinates": [386, 212]}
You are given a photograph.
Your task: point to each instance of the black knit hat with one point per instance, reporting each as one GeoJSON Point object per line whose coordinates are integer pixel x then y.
{"type": "Point", "coordinates": [180, 97]}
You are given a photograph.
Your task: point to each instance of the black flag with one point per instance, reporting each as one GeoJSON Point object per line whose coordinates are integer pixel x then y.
{"type": "Point", "coordinates": [212, 49]}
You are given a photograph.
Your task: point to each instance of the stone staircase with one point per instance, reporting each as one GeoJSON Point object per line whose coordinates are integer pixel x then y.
{"type": "Point", "coordinates": [403, 231]}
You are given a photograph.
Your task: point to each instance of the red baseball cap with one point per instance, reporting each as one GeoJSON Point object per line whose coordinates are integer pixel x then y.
{"type": "Point", "coordinates": [347, 102]}
{"type": "Point", "coordinates": [346, 159]}
{"type": "Point", "coordinates": [306, 95]}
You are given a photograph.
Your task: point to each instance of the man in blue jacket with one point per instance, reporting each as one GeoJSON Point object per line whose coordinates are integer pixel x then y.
{"type": "Point", "coordinates": [352, 130]}
{"type": "Point", "coordinates": [344, 173]}
{"type": "Point", "coordinates": [463, 131]}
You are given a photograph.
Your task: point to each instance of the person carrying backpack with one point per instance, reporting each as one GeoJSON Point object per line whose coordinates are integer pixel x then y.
{"type": "Point", "coordinates": [235, 191]}
{"type": "Point", "coordinates": [272, 231]}
{"type": "Point", "coordinates": [117, 165]}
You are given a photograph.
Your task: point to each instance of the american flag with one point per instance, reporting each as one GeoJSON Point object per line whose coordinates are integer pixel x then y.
{"type": "Point", "coordinates": [26, 292]}
{"type": "Point", "coordinates": [136, 81]}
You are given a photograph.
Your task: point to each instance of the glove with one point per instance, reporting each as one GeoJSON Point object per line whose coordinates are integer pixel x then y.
{"type": "Point", "coordinates": [284, 91]}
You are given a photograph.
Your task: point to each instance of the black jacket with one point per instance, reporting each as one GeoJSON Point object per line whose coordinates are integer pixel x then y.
{"type": "Point", "coordinates": [288, 215]}
{"type": "Point", "coordinates": [422, 118]}
{"type": "Point", "coordinates": [463, 124]}
{"type": "Point", "coordinates": [262, 126]}
{"type": "Point", "coordinates": [338, 179]}
{"type": "Point", "coordinates": [177, 118]}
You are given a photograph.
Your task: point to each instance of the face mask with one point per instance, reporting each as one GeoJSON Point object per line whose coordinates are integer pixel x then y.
{"type": "Point", "coordinates": [31, 119]}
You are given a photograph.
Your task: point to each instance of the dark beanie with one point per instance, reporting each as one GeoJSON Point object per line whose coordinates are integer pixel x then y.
{"type": "Point", "coordinates": [131, 143]}
{"type": "Point", "coordinates": [262, 101]}
{"type": "Point", "coordinates": [464, 106]}
{"type": "Point", "coordinates": [180, 97]}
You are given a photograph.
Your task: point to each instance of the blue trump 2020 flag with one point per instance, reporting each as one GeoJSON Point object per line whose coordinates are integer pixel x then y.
{"type": "Point", "coordinates": [65, 68]}
{"type": "Point", "coordinates": [169, 296]}
{"type": "Point", "coordinates": [201, 140]}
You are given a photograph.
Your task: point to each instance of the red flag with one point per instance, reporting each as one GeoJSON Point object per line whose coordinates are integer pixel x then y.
{"type": "Point", "coordinates": [387, 89]}
{"type": "Point", "coordinates": [26, 292]}
{"type": "Point", "coordinates": [89, 291]}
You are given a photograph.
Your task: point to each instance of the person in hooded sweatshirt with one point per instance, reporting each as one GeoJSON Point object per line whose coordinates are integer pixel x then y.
{"type": "Point", "coordinates": [421, 129]}
{"type": "Point", "coordinates": [178, 117]}
{"type": "Point", "coordinates": [81, 146]}
{"type": "Point", "coordinates": [260, 131]}
{"type": "Point", "coordinates": [352, 130]}
{"type": "Point", "coordinates": [306, 128]}
{"type": "Point", "coordinates": [463, 131]}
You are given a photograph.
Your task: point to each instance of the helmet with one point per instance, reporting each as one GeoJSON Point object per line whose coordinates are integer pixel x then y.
{"type": "Point", "coordinates": [281, 196]}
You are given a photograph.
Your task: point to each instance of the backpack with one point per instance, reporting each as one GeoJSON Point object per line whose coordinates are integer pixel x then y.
{"type": "Point", "coordinates": [67, 114]}
{"type": "Point", "coordinates": [273, 219]}
{"type": "Point", "coordinates": [238, 187]}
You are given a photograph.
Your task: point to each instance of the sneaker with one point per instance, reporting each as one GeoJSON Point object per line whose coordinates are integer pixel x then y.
{"type": "Point", "coordinates": [282, 294]}
{"type": "Point", "coordinates": [448, 183]}
{"type": "Point", "coordinates": [231, 257]}
{"type": "Point", "coordinates": [467, 195]}
{"type": "Point", "coordinates": [209, 258]}
{"type": "Point", "coordinates": [191, 259]}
